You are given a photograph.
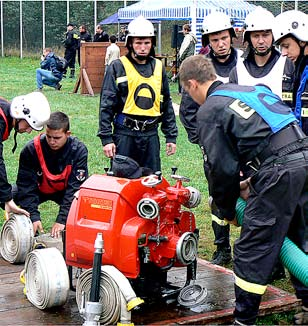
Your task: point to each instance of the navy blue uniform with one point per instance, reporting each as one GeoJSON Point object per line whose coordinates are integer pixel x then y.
{"type": "Point", "coordinates": [236, 134]}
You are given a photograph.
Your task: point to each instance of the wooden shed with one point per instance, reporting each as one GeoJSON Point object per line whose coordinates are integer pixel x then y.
{"type": "Point", "coordinates": [92, 66]}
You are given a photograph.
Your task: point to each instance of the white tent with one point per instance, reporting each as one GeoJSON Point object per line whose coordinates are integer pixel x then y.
{"type": "Point", "coordinates": [191, 10]}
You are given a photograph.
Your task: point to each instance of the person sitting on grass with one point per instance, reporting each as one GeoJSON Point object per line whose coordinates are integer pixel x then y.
{"type": "Point", "coordinates": [52, 166]}
{"type": "Point", "coordinates": [48, 74]}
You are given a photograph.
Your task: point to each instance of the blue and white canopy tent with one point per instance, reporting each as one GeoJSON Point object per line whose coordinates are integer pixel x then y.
{"type": "Point", "coordinates": [191, 10]}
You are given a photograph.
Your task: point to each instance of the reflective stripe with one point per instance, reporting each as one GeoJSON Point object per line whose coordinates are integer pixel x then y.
{"type": "Point", "coordinates": [287, 96]}
{"type": "Point", "coordinates": [305, 112]}
{"type": "Point", "coordinates": [218, 220]}
{"type": "Point", "coordinates": [122, 79]}
{"type": "Point", "coordinates": [250, 287]}
{"type": "Point", "coordinates": [161, 98]}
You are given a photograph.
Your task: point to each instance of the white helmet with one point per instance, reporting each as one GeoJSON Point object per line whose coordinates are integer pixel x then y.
{"type": "Point", "coordinates": [216, 22]}
{"type": "Point", "coordinates": [33, 107]}
{"type": "Point", "coordinates": [292, 22]}
{"type": "Point", "coordinates": [140, 27]}
{"type": "Point", "coordinates": [258, 20]}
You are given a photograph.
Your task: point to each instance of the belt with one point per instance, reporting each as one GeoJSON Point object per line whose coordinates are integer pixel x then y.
{"type": "Point", "coordinates": [278, 145]}
{"type": "Point", "coordinates": [134, 124]}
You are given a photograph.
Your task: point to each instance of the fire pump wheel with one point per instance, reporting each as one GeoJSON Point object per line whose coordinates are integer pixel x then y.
{"type": "Point", "coordinates": [151, 180]}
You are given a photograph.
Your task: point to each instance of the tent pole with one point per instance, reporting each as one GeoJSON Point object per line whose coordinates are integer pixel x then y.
{"type": "Point", "coordinates": [2, 53]}
{"type": "Point", "coordinates": [193, 15]}
{"type": "Point", "coordinates": [159, 38]}
{"type": "Point", "coordinates": [20, 28]}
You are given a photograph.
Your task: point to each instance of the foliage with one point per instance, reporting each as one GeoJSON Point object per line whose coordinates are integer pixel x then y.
{"type": "Point", "coordinates": [81, 12]}
{"type": "Point", "coordinates": [18, 77]}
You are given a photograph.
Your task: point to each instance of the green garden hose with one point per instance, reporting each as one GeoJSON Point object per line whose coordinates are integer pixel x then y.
{"type": "Point", "coordinates": [293, 258]}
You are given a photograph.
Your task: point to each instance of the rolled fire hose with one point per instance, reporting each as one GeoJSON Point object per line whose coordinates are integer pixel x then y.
{"type": "Point", "coordinates": [16, 239]}
{"type": "Point", "coordinates": [293, 258]}
{"type": "Point", "coordinates": [115, 293]}
{"type": "Point", "coordinates": [46, 278]}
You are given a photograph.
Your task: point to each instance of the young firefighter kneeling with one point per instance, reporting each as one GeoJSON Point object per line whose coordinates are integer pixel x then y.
{"type": "Point", "coordinates": [52, 166]}
{"type": "Point", "coordinates": [249, 127]}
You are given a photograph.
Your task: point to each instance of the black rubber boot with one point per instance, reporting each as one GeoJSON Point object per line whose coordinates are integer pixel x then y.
{"type": "Point", "coordinates": [278, 272]}
{"type": "Point", "coordinates": [72, 75]}
{"type": "Point", "coordinates": [222, 256]}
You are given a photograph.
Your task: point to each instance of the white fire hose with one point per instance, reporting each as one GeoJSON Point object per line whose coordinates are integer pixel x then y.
{"type": "Point", "coordinates": [16, 238]}
{"type": "Point", "coordinates": [46, 278]}
{"type": "Point", "coordinates": [116, 295]}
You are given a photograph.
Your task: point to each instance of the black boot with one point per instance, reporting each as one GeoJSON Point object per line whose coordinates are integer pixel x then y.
{"type": "Point", "coordinates": [278, 272]}
{"type": "Point", "coordinates": [222, 256]}
{"type": "Point", "coordinates": [72, 75]}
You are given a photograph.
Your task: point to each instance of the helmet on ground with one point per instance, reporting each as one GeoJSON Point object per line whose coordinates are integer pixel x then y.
{"type": "Point", "coordinates": [33, 107]}
{"type": "Point", "coordinates": [258, 20]}
{"type": "Point", "coordinates": [291, 22]}
{"type": "Point", "coordinates": [140, 27]}
{"type": "Point", "coordinates": [216, 22]}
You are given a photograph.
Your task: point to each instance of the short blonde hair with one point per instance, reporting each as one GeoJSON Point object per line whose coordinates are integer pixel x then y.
{"type": "Point", "coordinates": [197, 67]}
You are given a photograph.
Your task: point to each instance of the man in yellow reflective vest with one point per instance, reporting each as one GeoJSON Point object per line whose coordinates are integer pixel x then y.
{"type": "Point", "coordinates": [135, 99]}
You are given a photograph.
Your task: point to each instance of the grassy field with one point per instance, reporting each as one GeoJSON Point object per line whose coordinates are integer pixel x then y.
{"type": "Point", "coordinates": [18, 77]}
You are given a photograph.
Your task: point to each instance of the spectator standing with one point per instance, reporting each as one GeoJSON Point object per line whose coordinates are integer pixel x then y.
{"type": "Point", "coordinates": [263, 64]}
{"type": "Point", "coordinates": [71, 44]}
{"type": "Point", "coordinates": [122, 34]}
{"type": "Point", "coordinates": [84, 36]}
{"type": "Point", "coordinates": [25, 113]}
{"type": "Point", "coordinates": [100, 35]}
{"type": "Point", "coordinates": [112, 52]}
{"type": "Point", "coordinates": [135, 98]}
{"type": "Point", "coordinates": [217, 35]}
{"type": "Point", "coordinates": [52, 166]}
{"type": "Point", "coordinates": [188, 46]}
{"type": "Point", "coordinates": [291, 34]}
{"type": "Point", "coordinates": [189, 43]}
{"type": "Point", "coordinates": [48, 74]}
{"type": "Point", "coordinates": [264, 135]}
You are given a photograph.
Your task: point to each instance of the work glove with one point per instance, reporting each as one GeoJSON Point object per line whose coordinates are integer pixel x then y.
{"type": "Point", "coordinates": [302, 317]}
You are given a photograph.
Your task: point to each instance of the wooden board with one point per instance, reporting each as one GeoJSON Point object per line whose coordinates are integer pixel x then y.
{"type": "Point", "coordinates": [218, 308]}
{"type": "Point", "coordinates": [92, 57]}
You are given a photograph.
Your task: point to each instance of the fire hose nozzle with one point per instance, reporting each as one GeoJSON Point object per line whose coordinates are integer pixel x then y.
{"type": "Point", "coordinates": [134, 303]}
{"type": "Point", "coordinates": [99, 242]}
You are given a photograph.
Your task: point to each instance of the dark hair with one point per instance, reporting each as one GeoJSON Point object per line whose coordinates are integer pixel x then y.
{"type": "Point", "coordinates": [83, 27]}
{"type": "Point", "coordinates": [187, 27]}
{"type": "Point", "coordinates": [58, 120]}
{"type": "Point", "coordinates": [112, 38]}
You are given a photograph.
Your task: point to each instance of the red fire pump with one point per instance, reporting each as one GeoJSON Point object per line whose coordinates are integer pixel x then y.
{"type": "Point", "coordinates": [144, 228]}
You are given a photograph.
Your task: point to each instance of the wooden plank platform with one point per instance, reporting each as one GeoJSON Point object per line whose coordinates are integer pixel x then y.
{"type": "Point", "coordinates": [15, 309]}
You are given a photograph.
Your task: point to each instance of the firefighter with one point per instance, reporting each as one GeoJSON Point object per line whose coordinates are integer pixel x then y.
{"type": "Point", "coordinates": [52, 166]}
{"type": "Point", "coordinates": [135, 99]}
{"type": "Point", "coordinates": [250, 126]}
{"type": "Point", "coordinates": [25, 113]}
{"type": "Point", "coordinates": [218, 33]}
{"type": "Point", "coordinates": [263, 64]}
{"type": "Point", "coordinates": [291, 34]}
{"type": "Point", "coordinates": [71, 44]}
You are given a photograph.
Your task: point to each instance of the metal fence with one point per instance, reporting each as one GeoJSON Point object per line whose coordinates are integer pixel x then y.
{"type": "Point", "coordinates": [28, 26]}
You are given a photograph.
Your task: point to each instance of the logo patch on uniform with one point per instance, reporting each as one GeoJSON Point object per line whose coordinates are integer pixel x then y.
{"type": "Point", "coordinates": [242, 109]}
{"type": "Point", "coordinates": [81, 175]}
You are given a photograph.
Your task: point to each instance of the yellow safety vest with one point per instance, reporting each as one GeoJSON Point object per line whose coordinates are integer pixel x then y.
{"type": "Point", "coordinates": [144, 93]}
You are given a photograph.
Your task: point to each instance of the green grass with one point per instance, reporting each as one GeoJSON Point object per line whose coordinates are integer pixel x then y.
{"type": "Point", "coordinates": [18, 77]}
